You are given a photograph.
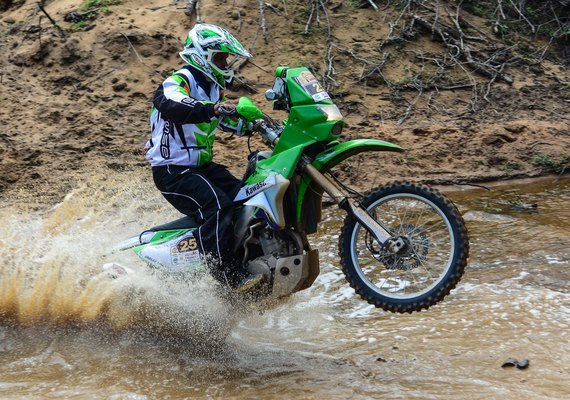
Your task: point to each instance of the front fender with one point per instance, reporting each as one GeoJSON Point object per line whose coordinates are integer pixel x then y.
{"type": "Point", "coordinates": [340, 152]}
{"type": "Point", "coordinates": [309, 204]}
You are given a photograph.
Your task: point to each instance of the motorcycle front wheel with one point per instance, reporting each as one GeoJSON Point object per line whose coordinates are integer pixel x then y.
{"type": "Point", "coordinates": [431, 261]}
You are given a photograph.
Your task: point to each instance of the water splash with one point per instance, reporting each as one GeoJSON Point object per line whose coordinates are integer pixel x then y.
{"type": "Point", "coordinates": [51, 270]}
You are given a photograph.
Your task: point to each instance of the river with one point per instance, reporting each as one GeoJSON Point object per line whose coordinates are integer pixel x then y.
{"type": "Point", "coordinates": [68, 332]}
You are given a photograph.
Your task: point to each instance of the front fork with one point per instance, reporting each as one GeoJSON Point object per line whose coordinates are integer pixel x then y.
{"type": "Point", "coordinates": [381, 234]}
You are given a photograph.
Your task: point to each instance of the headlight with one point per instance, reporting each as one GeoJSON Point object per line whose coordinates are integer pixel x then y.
{"type": "Point", "coordinates": [337, 128]}
{"type": "Point", "coordinates": [278, 90]}
{"type": "Point", "coordinates": [332, 112]}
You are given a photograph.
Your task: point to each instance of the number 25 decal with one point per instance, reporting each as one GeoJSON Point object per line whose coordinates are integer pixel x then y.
{"type": "Point", "coordinates": [187, 244]}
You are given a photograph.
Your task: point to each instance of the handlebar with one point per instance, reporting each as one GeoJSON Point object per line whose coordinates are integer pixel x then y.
{"type": "Point", "coordinates": [268, 133]}
{"type": "Point", "coordinates": [269, 129]}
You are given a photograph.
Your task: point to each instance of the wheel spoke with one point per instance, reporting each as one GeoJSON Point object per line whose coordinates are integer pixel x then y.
{"type": "Point", "coordinates": [425, 229]}
{"type": "Point", "coordinates": [421, 261]}
{"type": "Point", "coordinates": [417, 276]}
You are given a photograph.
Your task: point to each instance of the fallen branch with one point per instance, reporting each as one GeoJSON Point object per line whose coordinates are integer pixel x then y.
{"type": "Point", "coordinates": [248, 86]}
{"type": "Point", "coordinates": [258, 66]}
{"type": "Point", "coordinates": [377, 68]}
{"type": "Point", "coordinates": [389, 37]}
{"type": "Point", "coordinates": [470, 184]}
{"type": "Point", "coordinates": [131, 47]}
{"type": "Point", "coordinates": [532, 28]}
{"type": "Point", "coordinates": [562, 171]}
{"type": "Point", "coordinates": [369, 67]}
{"type": "Point", "coordinates": [412, 105]}
{"type": "Point", "coordinates": [273, 8]}
{"type": "Point", "coordinates": [42, 9]}
{"type": "Point", "coordinates": [262, 22]}
{"type": "Point", "coordinates": [458, 49]}
{"type": "Point", "coordinates": [309, 20]}
{"type": "Point", "coordinates": [373, 5]}
{"type": "Point", "coordinates": [329, 80]}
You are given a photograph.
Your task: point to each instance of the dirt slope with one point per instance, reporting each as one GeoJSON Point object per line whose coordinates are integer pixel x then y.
{"type": "Point", "coordinates": [78, 103]}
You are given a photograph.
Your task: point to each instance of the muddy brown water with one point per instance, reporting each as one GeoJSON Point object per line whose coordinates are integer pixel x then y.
{"type": "Point", "coordinates": [66, 331]}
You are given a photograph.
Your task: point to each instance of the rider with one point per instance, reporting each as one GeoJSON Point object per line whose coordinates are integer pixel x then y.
{"type": "Point", "coordinates": [186, 111]}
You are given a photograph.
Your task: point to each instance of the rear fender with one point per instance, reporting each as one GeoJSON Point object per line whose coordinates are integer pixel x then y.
{"type": "Point", "coordinates": [171, 250]}
{"type": "Point", "coordinates": [309, 202]}
{"type": "Point", "coordinates": [151, 236]}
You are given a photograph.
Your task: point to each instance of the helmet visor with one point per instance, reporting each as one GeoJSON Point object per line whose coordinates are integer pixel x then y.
{"type": "Point", "coordinates": [224, 62]}
{"type": "Point", "coordinates": [220, 60]}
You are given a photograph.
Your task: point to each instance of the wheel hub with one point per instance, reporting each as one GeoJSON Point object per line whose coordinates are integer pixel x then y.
{"type": "Point", "coordinates": [404, 251]}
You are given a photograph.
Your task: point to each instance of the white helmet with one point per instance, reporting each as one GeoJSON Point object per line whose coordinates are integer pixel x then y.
{"type": "Point", "coordinates": [213, 51]}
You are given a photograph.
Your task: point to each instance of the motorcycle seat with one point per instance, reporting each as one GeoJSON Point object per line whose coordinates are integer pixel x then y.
{"type": "Point", "coordinates": [180, 223]}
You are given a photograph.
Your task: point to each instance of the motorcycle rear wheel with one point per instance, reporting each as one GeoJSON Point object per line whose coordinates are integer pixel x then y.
{"type": "Point", "coordinates": [428, 267]}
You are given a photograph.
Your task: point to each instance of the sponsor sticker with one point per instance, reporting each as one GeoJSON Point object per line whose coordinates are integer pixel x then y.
{"type": "Point", "coordinates": [312, 86]}
{"type": "Point", "coordinates": [197, 59]}
{"type": "Point", "coordinates": [185, 252]}
{"type": "Point", "coordinates": [186, 244]}
{"type": "Point", "coordinates": [251, 190]}
{"type": "Point", "coordinates": [165, 140]}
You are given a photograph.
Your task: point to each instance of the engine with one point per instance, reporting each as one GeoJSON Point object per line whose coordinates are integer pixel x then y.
{"type": "Point", "coordinates": [281, 258]}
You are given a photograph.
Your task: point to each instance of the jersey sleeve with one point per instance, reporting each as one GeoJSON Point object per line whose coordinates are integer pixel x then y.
{"type": "Point", "coordinates": [173, 99]}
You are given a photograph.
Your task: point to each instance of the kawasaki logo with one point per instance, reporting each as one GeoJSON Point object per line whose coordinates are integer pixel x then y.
{"type": "Point", "coordinates": [249, 191]}
{"type": "Point", "coordinates": [254, 188]}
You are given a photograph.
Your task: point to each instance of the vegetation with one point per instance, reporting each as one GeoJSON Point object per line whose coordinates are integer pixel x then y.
{"type": "Point", "coordinates": [547, 19]}
{"type": "Point", "coordinates": [78, 26]}
{"type": "Point", "coordinates": [511, 167]}
{"type": "Point", "coordinates": [89, 10]}
{"type": "Point", "coordinates": [14, 28]}
{"type": "Point", "coordinates": [88, 5]}
{"type": "Point", "coordinates": [548, 162]}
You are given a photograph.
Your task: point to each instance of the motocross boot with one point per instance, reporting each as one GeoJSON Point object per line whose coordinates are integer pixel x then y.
{"type": "Point", "coordinates": [237, 277]}
{"type": "Point", "coordinates": [249, 282]}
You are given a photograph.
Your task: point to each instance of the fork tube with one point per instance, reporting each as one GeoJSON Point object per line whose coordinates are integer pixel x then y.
{"type": "Point", "coordinates": [346, 203]}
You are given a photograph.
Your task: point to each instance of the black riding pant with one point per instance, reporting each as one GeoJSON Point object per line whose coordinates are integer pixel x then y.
{"type": "Point", "coordinates": [205, 193]}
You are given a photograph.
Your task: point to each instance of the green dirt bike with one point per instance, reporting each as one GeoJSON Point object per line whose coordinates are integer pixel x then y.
{"type": "Point", "coordinates": [403, 246]}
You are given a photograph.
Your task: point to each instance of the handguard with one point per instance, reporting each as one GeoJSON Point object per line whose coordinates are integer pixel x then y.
{"type": "Point", "coordinates": [240, 127]}
{"type": "Point", "coordinates": [227, 111]}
